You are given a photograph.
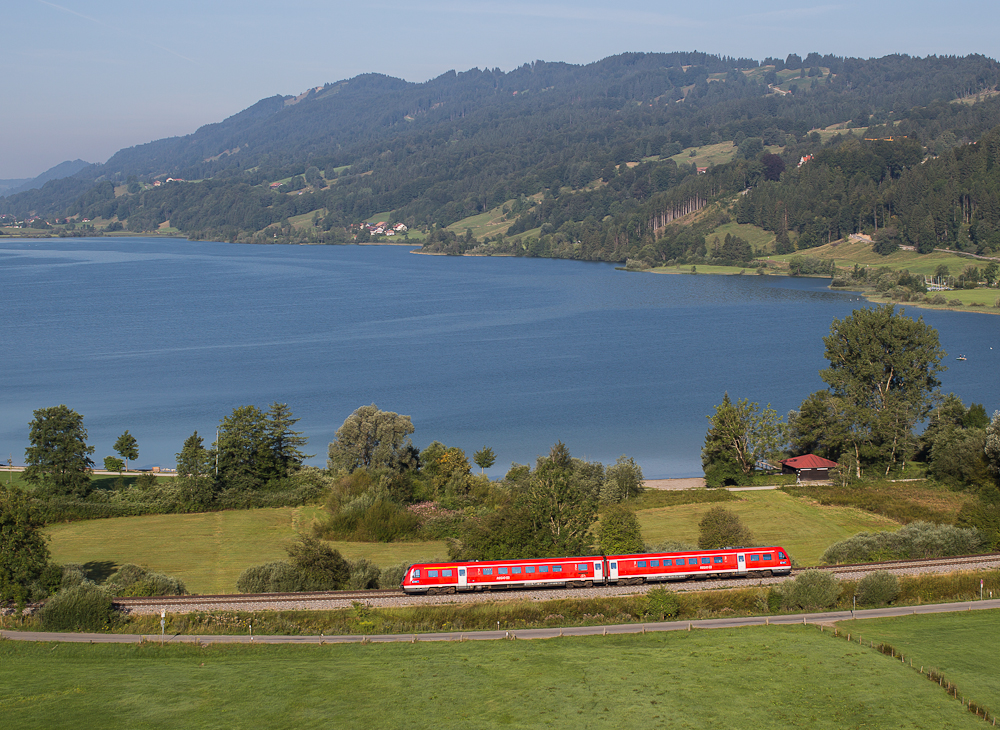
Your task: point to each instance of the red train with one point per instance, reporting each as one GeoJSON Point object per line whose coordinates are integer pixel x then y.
{"type": "Point", "coordinates": [433, 578]}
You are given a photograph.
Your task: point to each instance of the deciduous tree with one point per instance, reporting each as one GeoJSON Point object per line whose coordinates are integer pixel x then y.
{"type": "Point", "coordinates": [371, 438]}
{"type": "Point", "coordinates": [740, 436]}
{"type": "Point", "coordinates": [484, 458]}
{"type": "Point", "coordinates": [24, 555]}
{"type": "Point", "coordinates": [619, 532]}
{"type": "Point", "coordinates": [127, 447]}
{"type": "Point", "coordinates": [58, 458]}
{"type": "Point", "coordinates": [622, 480]}
{"type": "Point", "coordinates": [883, 368]}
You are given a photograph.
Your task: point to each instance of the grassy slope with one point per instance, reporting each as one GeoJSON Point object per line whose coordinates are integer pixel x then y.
{"type": "Point", "coordinates": [802, 527]}
{"type": "Point", "coordinates": [962, 646]}
{"type": "Point", "coordinates": [765, 677]}
{"type": "Point", "coordinates": [208, 551]}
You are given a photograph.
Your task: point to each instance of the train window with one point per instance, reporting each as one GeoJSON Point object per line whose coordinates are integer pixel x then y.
{"type": "Point", "coordinates": [641, 564]}
{"type": "Point", "coordinates": [767, 556]}
{"type": "Point", "coordinates": [416, 573]}
{"type": "Point", "coordinates": [502, 571]}
{"type": "Point", "coordinates": [614, 566]}
{"type": "Point", "coordinates": [446, 573]}
{"type": "Point", "coordinates": [530, 569]}
{"type": "Point", "coordinates": [487, 571]}
{"type": "Point", "coordinates": [668, 562]}
{"type": "Point", "coordinates": [432, 574]}
{"type": "Point", "coordinates": [705, 561]}
{"type": "Point", "coordinates": [515, 570]}
{"type": "Point", "coordinates": [557, 569]}
{"type": "Point", "coordinates": [582, 568]}
{"type": "Point", "coordinates": [692, 561]}
{"type": "Point", "coordinates": [782, 556]}
{"type": "Point", "coordinates": [543, 569]}
{"type": "Point", "coordinates": [755, 558]}
{"type": "Point", "coordinates": [654, 563]}
{"type": "Point", "coordinates": [718, 559]}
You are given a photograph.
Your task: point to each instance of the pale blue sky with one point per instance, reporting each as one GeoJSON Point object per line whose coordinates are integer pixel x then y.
{"type": "Point", "coordinates": [84, 78]}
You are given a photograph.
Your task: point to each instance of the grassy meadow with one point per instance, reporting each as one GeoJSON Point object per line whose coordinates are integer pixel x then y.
{"type": "Point", "coordinates": [802, 527]}
{"type": "Point", "coordinates": [961, 646]}
{"type": "Point", "coordinates": [207, 551]}
{"type": "Point", "coordinates": [761, 677]}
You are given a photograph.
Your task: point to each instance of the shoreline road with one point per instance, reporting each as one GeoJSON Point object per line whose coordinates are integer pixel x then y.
{"type": "Point", "coordinates": [825, 619]}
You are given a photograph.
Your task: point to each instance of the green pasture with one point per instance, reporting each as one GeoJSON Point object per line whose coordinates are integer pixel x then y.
{"type": "Point", "coordinates": [705, 269]}
{"type": "Point", "coordinates": [962, 646]}
{"type": "Point", "coordinates": [208, 551]}
{"type": "Point", "coordinates": [756, 236]}
{"type": "Point", "coordinates": [762, 677]}
{"type": "Point", "coordinates": [707, 155]}
{"type": "Point", "coordinates": [848, 253]}
{"type": "Point", "coordinates": [485, 224]}
{"type": "Point", "coordinates": [805, 529]}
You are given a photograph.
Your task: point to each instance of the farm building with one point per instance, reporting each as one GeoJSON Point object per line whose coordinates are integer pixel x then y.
{"type": "Point", "coordinates": [809, 467]}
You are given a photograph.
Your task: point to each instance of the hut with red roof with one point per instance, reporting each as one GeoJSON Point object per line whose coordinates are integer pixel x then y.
{"type": "Point", "coordinates": [808, 467]}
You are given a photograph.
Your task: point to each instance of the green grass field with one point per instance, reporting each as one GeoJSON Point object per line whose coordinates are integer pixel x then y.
{"type": "Point", "coordinates": [802, 527]}
{"type": "Point", "coordinates": [208, 551]}
{"type": "Point", "coordinates": [961, 646]}
{"type": "Point", "coordinates": [761, 678]}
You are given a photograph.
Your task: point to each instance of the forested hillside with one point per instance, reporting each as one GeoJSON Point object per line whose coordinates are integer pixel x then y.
{"type": "Point", "coordinates": [583, 161]}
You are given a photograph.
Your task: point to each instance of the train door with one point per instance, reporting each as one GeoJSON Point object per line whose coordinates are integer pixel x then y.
{"type": "Point", "coordinates": [598, 572]}
{"type": "Point", "coordinates": [741, 563]}
{"type": "Point", "coordinates": [612, 571]}
{"type": "Point", "coordinates": [463, 579]}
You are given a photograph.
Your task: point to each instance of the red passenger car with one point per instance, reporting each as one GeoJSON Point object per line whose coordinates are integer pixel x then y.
{"type": "Point", "coordinates": [529, 573]}
{"type": "Point", "coordinates": [729, 562]}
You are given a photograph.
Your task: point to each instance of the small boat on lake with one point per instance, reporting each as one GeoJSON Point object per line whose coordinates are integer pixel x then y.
{"type": "Point", "coordinates": [961, 357]}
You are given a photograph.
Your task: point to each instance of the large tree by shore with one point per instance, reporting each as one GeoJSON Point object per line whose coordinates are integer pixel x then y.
{"type": "Point", "coordinates": [883, 372]}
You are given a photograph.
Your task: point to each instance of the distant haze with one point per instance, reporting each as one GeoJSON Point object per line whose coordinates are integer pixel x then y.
{"type": "Point", "coordinates": [102, 77]}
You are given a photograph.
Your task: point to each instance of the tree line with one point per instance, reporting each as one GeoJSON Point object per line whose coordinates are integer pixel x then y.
{"type": "Point", "coordinates": [882, 382]}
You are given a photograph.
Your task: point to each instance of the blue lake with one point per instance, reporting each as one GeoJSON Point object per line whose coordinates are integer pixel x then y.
{"type": "Point", "coordinates": [164, 337]}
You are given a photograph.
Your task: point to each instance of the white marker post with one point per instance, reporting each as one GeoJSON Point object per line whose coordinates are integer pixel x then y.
{"type": "Point", "coordinates": [163, 624]}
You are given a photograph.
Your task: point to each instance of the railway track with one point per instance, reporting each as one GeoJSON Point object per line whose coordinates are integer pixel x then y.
{"type": "Point", "coordinates": [325, 600]}
{"type": "Point", "coordinates": [956, 563]}
{"type": "Point", "coordinates": [237, 599]}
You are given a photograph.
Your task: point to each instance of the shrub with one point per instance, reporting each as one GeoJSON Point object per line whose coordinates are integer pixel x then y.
{"type": "Point", "coordinates": [811, 589]}
{"type": "Point", "coordinates": [392, 576]}
{"type": "Point", "coordinates": [320, 567]}
{"type": "Point", "coordinates": [73, 574]}
{"type": "Point", "coordinates": [132, 580]}
{"type": "Point", "coordinates": [878, 588]}
{"type": "Point", "coordinates": [364, 574]}
{"type": "Point", "coordinates": [721, 528]}
{"type": "Point", "coordinates": [916, 540]}
{"type": "Point", "coordinates": [278, 577]}
{"type": "Point", "coordinates": [662, 604]}
{"type": "Point", "coordinates": [84, 607]}
{"type": "Point", "coordinates": [371, 517]}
